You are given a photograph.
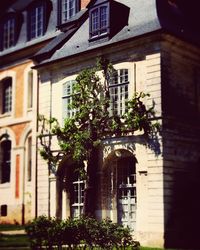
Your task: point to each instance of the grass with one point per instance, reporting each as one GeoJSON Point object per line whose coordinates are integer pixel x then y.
{"type": "Point", "coordinates": [14, 241]}
{"type": "Point", "coordinates": [7, 227]}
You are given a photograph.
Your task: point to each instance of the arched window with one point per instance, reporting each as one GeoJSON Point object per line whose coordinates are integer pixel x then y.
{"type": "Point", "coordinates": [6, 95]}
{"type": "Point", "coordinates": [5, 161]}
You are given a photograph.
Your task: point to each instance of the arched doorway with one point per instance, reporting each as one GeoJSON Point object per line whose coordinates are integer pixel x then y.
{"type": "Point", "coordinates": [119, 181]}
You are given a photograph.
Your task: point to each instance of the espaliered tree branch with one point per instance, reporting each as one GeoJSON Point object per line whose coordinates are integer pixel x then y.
{"type": "Point", "coordinates": [81, 135]}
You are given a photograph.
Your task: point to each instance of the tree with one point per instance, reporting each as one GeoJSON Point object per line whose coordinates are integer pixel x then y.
{"type": "Point", "coordinates": [82, 134]}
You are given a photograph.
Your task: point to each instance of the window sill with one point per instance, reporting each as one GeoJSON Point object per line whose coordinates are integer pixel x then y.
{"type": "Point", "coordinates": [5, 185]}
{"type": "Point", "coordinates": [5, 115]}
{"type": "Point", "coordinates": [98, 37]}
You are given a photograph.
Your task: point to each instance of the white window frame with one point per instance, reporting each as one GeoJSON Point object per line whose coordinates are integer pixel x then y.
{"type": "Point", "coordinates": [9, 33]}
{"type": "Point", "coordinates": [36, 21]}
{"type": "Point", "coordinates": [119, 98]}
{"type": "Point", "coordinates": [4, 110]}
{"type": "Point", "coordinates": [67, 91]}
{"type": "Point", "coordinates": [78, 195]}
{"type": "Point", "coordinates": [99, 21]}
{"type": "Point", "coordinates": [6, 117]}
{"type": "Point", "coordinates": [69, 8]}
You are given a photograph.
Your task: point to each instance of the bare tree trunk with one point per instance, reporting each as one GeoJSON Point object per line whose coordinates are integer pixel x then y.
{"type": "Point", "coordinates": [90, 191]}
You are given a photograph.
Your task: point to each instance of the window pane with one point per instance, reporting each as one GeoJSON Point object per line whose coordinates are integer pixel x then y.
{"type": "Point", "coordinates": [69, 9]}
{"type": "Point", "coordinates": [9, 33]}
{"type": "Point", "coordinates": [67, 99]}
{"type": "Point", "coordinates": [30, 89]}
{"type": "Point", "coordinates": [118, 87]}
{"type": "Point", "coordinates": [29, 158]}
{"type": "Point", "coordinates": [78, 197]}
{"type": "Point", "coordinates": [7, 95]}
{"type": "Point", "coordinates": [36, 22]}
{"type": "Point", "coordinates": [103, 19]}
{"type": "Point", "coordinates": [95, 22]}
{"type": "Point", "coordinates": [5, 161]}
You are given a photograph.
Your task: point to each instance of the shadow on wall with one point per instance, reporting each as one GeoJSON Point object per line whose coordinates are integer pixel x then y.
{"type": "Point", "coordinates": [182, 225]}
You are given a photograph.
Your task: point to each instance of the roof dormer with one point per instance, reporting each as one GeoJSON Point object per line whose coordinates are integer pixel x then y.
{"type": "Point", "coordinates": [104, 19]}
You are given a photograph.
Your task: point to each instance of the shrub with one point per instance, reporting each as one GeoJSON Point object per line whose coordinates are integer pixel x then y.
{"type": "Point", "coordinates": [83, 232]}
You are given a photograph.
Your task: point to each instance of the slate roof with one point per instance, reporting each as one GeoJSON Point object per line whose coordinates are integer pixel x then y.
{"type": "Point", "coordinates": [142, 19]}
{"type": "Point", "coordinates": [19, 6]}
{"type": "Point", "coordinates": [145, 16]}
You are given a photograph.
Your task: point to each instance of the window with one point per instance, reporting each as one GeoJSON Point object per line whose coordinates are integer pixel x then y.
{"type": "Point", "coordinates": [29, 158]}
{"type": "Point", "coordinates": [99, 21]}
{"type": "Point", "coordinates": [67, 99]}
{"type": "Point", "coordinates": [68, 9]}
{"type": "Point", "coordinates": [78, 197]}
{"type": "Point", "coordinates": [3, 211]}
{"type": "Point", "coordinates": [5, 161]}
{"type": "Point", "coordinates": [36, 21]}
{"type": "Point", "coordinates": [6, 95]}
{"type": "Point", "coordinates": [9, 33]}
{"type": "Point", "coordinates": [30, 89]}
{"type": "Point", "coordinates": [118, 88]}
{"type": "Point", "coordinates": [127, 198]}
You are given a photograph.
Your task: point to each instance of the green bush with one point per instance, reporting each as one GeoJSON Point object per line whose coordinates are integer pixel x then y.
{"type": "Point", "coordinates": [78, 234]}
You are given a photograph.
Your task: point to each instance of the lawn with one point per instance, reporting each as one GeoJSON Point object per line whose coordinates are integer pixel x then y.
{"type": "Point", "coordinates": [14, 241]}
{"type": "Point", "coordinates": [7, 227]}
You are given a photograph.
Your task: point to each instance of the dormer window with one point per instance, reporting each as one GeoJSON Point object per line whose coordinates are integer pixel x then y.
{"type": "Point", "coordinates": [38, 16]}
{"type": "Point", "coordinates": [99, 21]}
{"type": "Point", "coordinates": [36, 21]}
{"type": "Point", "coordinates": [10, 26]}
{"type": "Point", "coordinates": [67, 9]}
{"type": "Point", "coordinates": [104, 20]}
{"type": "Point", "coordinates": [9, 33]}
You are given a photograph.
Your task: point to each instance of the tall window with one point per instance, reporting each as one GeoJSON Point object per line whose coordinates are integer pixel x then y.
{"type": "Point", "coordinates": [99, 21]}
{"type": "Point", "coordinates": [30, 89]}
{"type": "Point", "coordinates": [9, 33]}
{"type": "Point", "coordinates": [29, 158]}
{"type": "Point", "coordinates": [6, 102]}
{"type": "Point", "coordinates": [68, 9]}
{"type": "Point", "coordinates": [5, 161]}
{"type": "Point", "coordinates": [36, 21]}
{"type": "Point", "coordinates": [67, 99]}
{"type": "Point", "coordinates": [127, 198]}
{"type": "Point", "coordinates": [118, 88]}
{"type": "Point", "coordinates": [78, 197]}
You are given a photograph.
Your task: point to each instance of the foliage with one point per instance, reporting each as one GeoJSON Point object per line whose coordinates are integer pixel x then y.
{"type": "Point", "coordinates": [93, 121]}
{"type": "Point", "coordinates": [78, 233]}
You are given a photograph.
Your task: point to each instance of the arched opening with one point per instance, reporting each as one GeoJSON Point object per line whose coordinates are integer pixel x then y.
{"type": "Point", "coordinates": [5, 161]}
{"type": "Point", "coordinates": [69, 190]}
{"type": "Point", "coordinates": [119, 181]}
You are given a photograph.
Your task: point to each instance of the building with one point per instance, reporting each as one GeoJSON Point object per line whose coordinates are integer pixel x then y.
{"type": "Point", "coordinates": [25, 27]}
{"type": "Point", "coordinates": [154, 46]}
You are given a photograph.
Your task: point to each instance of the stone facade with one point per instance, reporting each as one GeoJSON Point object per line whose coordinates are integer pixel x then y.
{"type": "Point", "coordinates": [163, 163]}
{"type": "Point", "coordinates": [17, 128]}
